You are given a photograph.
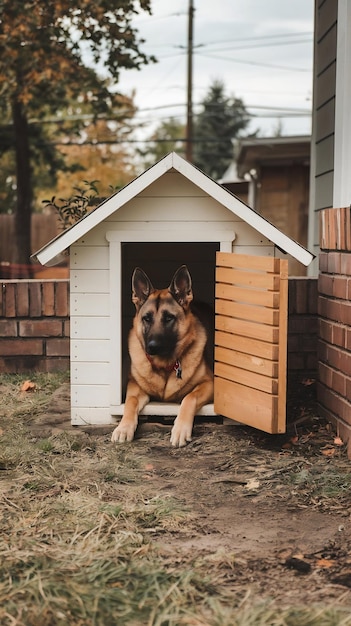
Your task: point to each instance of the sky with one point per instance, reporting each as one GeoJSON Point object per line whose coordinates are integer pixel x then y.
{"type": "Point", "coordinates": [262, 50]}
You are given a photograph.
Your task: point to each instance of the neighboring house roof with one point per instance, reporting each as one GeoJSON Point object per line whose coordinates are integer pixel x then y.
{"type": "Point", "coordinates": [52, 252]}
{"type": "Point", "coordinates": [271, 151]}
{"type": "Point", "coordinates": [230, 175]}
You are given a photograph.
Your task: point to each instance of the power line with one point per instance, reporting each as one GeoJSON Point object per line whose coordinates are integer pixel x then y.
{"type": "Point", "coordinates": [244, 62]}
{"type": "Point", "coordinates": [198, 48]}
{"type": "Point", "coordinates": [255, 40]}
{"type": "Point", "coordinates": [261, 45]}
{"type": "Point", "coordinates": [111, 118]}
{"type": "Point", "coordinates": [256, 63]}
{"type": "Point", "coordinates": [262, 37]}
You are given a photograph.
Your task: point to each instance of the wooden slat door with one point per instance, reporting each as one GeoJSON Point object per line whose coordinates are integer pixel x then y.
{"type": "Point", "coordinates": [251, 340]}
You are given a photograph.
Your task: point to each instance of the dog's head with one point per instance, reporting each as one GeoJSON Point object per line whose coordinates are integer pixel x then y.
{"type": "Point", "coordinates": [161, 312]}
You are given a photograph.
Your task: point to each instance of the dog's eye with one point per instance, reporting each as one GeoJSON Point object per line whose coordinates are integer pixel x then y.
{"type": "Point", "coordinates": [147, 318]}
{"type": "Point", "coordinates": [168, 318]}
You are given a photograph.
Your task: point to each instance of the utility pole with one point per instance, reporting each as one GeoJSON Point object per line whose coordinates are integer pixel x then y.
{"type": "Point", "coordinates": [189, 117]}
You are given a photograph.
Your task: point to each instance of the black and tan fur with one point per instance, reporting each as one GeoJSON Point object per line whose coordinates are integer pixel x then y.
{"type": "Point", "coordinates": [167, 347]}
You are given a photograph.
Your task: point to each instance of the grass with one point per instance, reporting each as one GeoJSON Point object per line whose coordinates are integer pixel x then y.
{"type": "Point", "coordinates": [79, 537]}
{"type": "Point", "coordinates": [322, 486]}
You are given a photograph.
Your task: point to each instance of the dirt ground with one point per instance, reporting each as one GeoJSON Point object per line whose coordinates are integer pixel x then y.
{"type": "Point", "coordinates": [275, 509]}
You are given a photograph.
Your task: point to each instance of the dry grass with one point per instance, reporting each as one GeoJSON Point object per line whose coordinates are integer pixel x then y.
{"type": "Point", "coordinates": [77, 538]}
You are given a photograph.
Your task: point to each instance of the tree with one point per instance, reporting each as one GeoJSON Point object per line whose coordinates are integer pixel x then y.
{"type": "Point", "coordinates": [49, 54]}
{"type": "Point", "coordinates": [166, 138]}
{"type": "Point", "coordinates": [98, 154]}
{"type": "Point", "coordinates": [221, 120]}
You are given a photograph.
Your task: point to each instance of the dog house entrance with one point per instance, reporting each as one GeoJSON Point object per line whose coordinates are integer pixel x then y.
{"type": "Point", "coordinates": [159, 254]}
{"type": "Point", "coordinates": [160, 261]}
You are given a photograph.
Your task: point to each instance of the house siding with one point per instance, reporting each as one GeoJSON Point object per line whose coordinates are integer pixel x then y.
{"type": "Point", "coordinates": [324, 98]}
{"type": "Point", "coordinates": [323, 116]}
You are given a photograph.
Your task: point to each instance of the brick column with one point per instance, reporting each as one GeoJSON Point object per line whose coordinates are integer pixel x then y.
{"type": "Point", "coordinates": [334, 308]}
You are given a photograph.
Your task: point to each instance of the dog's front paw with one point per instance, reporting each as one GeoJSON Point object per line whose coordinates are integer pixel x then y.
{"type": "Point", "coordinates": [123, 433]}
{"type": "Point", "coordinates": [180, 434]}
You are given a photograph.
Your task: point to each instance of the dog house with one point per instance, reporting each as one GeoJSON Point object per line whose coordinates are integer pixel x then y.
{"type": "Point", "coordinates": [170, 215]}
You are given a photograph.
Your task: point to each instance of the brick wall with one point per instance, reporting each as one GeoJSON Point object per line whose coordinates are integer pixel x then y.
{"type": "Point", "coordinates": [34, 325]}
{"type": "Point", "coordinates": [334, 307]}
{"type": "Point", "coordinates": [302, 331]}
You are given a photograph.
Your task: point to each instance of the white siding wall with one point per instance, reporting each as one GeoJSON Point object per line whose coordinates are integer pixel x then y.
{"type": "Point", "coordinates": [170, 205]}
{"type": "Point", "coordinates": [90, 332]}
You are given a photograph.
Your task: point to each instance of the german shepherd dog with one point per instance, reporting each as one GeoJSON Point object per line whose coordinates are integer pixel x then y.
{"type": "Point", "coordinates": [169, 349]}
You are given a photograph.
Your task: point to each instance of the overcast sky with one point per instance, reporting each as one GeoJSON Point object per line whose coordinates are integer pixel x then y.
{"type": "Point", "coordinates": [261, 49]}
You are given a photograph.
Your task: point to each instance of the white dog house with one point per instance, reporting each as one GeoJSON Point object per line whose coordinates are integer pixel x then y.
{"type": "Point", "coordinates": [170, 215]}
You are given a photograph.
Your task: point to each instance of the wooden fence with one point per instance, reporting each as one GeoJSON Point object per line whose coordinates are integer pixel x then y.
{"type": "Point", "coordinates": [45, 226]}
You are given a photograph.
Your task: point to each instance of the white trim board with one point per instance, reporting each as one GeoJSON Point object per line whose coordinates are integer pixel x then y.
{"type": "Point", "coordinates": [163, 409]}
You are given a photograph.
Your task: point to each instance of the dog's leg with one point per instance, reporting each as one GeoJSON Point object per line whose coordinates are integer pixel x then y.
{"type": "Point", "coordinates": [190, 405]}
{"type": "Point", "coordinates": [136, 399]}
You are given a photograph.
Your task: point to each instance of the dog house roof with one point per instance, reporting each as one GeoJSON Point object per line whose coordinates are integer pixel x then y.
{"type": "Point", "coordinates": [53, 251]}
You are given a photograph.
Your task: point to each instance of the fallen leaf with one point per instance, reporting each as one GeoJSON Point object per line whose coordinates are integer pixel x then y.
{"type": "Point", "coordinates": [338, 441]}
{"type": "Point", "coordinates": [328, 451]}
{"type": "Point", "coordinates": [292, 442]}
{"type": "Point", "coordinates": [1, 432]}
{"type": "Point", "coordinates": [28, 386]}
{"type": "Point", "coordinates": [325, 563]}
{"type": "Point", "coordinates": [252, 484]}
{"type": "Point", "coordinates": [149, 467]}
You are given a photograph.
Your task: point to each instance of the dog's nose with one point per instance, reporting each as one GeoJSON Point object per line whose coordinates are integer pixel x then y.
{"type": "Point", "coordinates": [153, 347]}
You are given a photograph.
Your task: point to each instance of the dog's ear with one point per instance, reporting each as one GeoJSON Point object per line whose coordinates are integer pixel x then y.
{"type": "Point", "coordinates": [181, 288]}
{"type": "Point", "coordinates": [141, 287]}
